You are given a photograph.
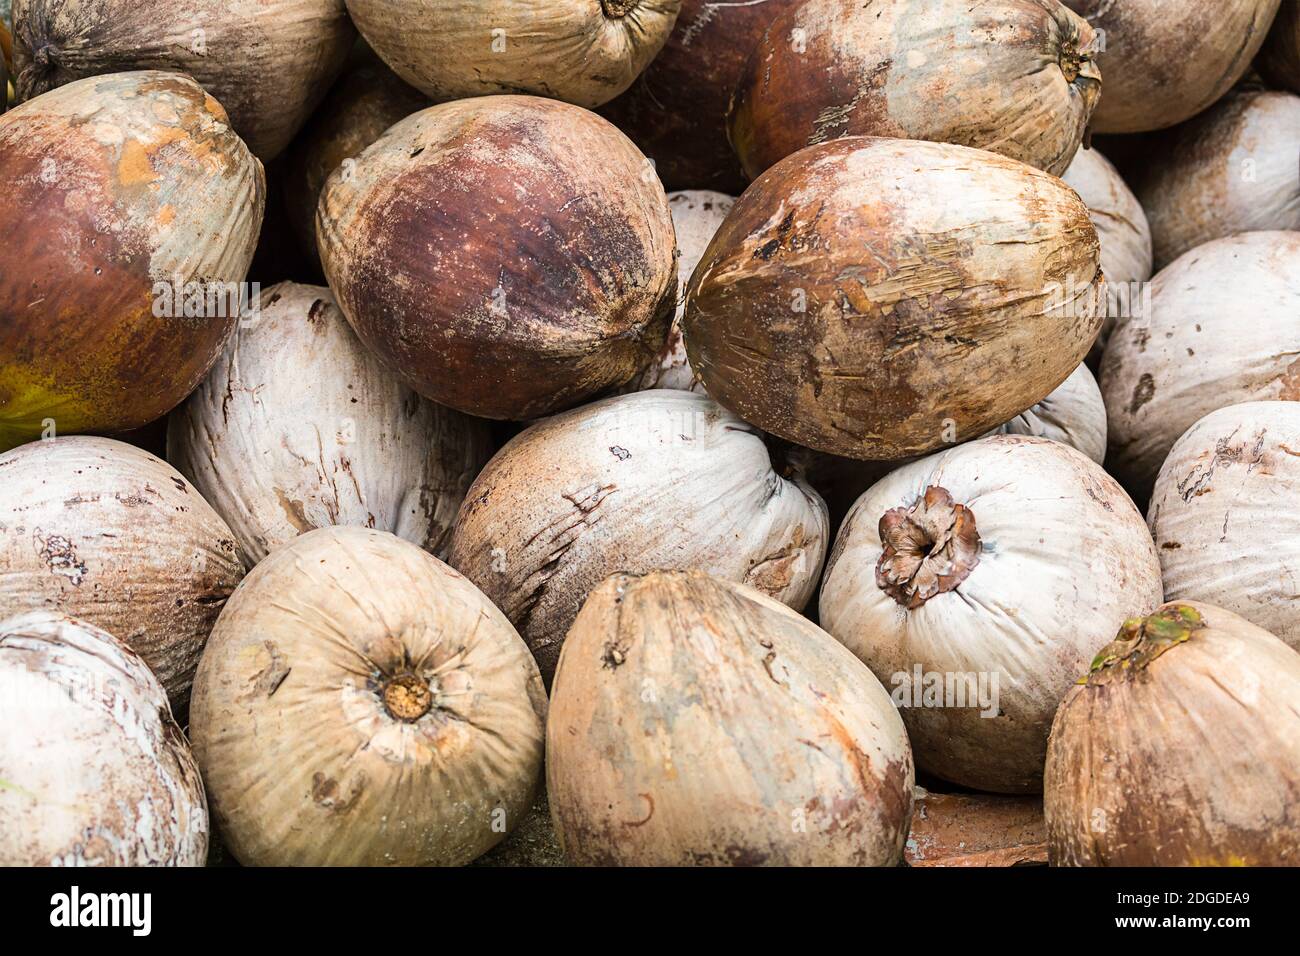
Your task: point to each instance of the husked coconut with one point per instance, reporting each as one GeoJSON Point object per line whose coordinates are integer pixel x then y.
{"type": "Point", "coordinates": [1073, 414]}
{"type": "Point", "coordinates": [508, 256]}
{"type": "Point", "coordinates": [583, 51]}
{"type": "Point", "coordinates": [112, 536]}
{"type": "Point", "coordinates": [676, 111]}
{"type": "Point", "coordinates": [879, 298]}
{"type": "Point", "coordinates": [362, 704]}
{"type": "Point", "coordinates": [93, 770]}
{"type": "Point", "coordinates": [1179, 747]}
{"type": "Point", "coordinates": [1279, 60]}
{"type": "Point", "coordinates": [1235, 168]}
{"type": "Point", "coordinates": [1221, 329]}
{"type": "Point", "coordinates": [977, 584]}
{"type": "Point", "coordinates": [1013, 76]}
{"type": "Point", "coordinates": [697, 214]}
{"type": "Point", "coordinates": [359, 109]}
{"type": "Point", "coordinates": [299, 427]}
{"type": "Point", "coordinates": [1166, 60]}
{"type": "Point", "coordinates": [1224, 514]}
{"type": "Point", "coordinates": [655, 480]}
{"type": "Point", "coordinates": [269, 62]}
{"type": "Point", "coordinates": [125, 196]}
{"type": "Point", "coordinates": [698, 722]}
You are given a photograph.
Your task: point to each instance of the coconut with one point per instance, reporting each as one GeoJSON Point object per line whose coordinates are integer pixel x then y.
{"type": "Point", "coordinates": [506, 255]}
{"type": "Point", "coordinates": [583, 51]}
{"type": "Point", "coordinates": [126, 194]}
{"type": "Point", "coordinates": [1073, 414]}
{"type": "Point", "coordinates": [359, 109]}
{"type": "Point", "coordinates": [654, 480]}
{"type": "Point", "coordinates": [362, 704]}
{"type": "Point", "coordinates": [93, 770]}
{"type": "Point", "coordinates": [299, 427]}
{"type": "Point", "coordinates": [879, 298]}
{"type": "Point", "coordinates": [1179, 747]}
{"type": "Point", "coordinates": [1224, 519]}
{"type": "Point", "coordinates": [113, 536]}
{"type": "Point", "coordinates": [676, 111]}
{"type": "Point", "coordinates": [269, 63]}
{"type": "Point", "coordinates": [1279, 60]}
{"type": "Point", "coordinates": [1166, 60]}
{"type": "Point", "coordinates": [698, 722]}
{"type": "Point", "coordinates": [1012, 76]}
{"type": "Point", "coordinates": [977, 584]}
{"type": "Point", "coordinates": [1235, 168]}
{"type": "Point", "coordinates": [696, 217]}
{"type": "Point", "coordinates": [1201, 345]}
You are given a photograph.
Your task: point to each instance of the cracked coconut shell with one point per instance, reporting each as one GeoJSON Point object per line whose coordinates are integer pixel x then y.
{"type": "Point", "coordinates": [1180, 746]}
{"type": "Point", "coordinates": [660, 479]}
{"type": "Point", "coordinates": [1221, 330]}
{"type": "Point", "coordinates": [1012, 76]}
{"type": "Point", "coordinates": [1008, 559]}
{"type": "Point", "coordinates": [116, 186]}
{"type": "Point", "coordinates": [299, 427]}
{"type": "Point", "coordinates": [698, 722]}
{"type": "Point", "coordinates": [508, 256]}
{"type": "Point", "coordinates": [93, 770]}
{"type": "Point", "coordinates": [1166, 60]}
{"type": "Point", "coordinates": [1224, 515]}
{"type": "Point", "coordinates": [269, 62]}
{"type": "Point", "coordinates": [878, 298]}
{"type": "Point", "coordinates": [362, 704]}
{"type": "Point", "coordinates": [582, 51]}
{"type": "Point", "coordinates": [109, 534]}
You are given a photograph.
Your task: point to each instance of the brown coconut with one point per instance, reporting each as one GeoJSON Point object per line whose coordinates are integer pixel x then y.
{"type": "Point", "coordinates": [582, 51]}
{"type": "Point", "coordinates": [1279, 60]}
{"type": "Point", "coordinates": [1166, 60]}
{"type": "Point", "coordinates": [113, 536]}
{"type": "Point", "coordinates": [1012, 76]}
{"type": "Point", "coordinates": [508, 256]}
{"type": "Point", "coordinates": [696, 722]}
{"type": "Point", "coordinates": [269, 62]}
{"type": "Point", "coordinates": [879, 298]}
{"type": "Point", "coordinates": [1179, 747]}
{"type": "Point", "coordinates": [676, 111]}
{"type": "Point", "coordinates": [124, 194]}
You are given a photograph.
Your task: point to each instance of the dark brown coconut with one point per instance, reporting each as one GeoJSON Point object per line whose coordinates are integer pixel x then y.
{"type": "Point", "coordinates": [508, 256]}
{"type": "Point", "coordinates": [268, 62]}
{"type": "Point", "coordinates": [1180, 747]}
{"type": "Point", "coordinates": [880, 298]}
{"type": "Point", "coordinates": [676, 111]}
{"type": "Point", "coordinates": [1279, 60]}
{"type": "Point", "coordinates": [1012, 76]}
{"type": "Point", "coordinates": [115, 186]}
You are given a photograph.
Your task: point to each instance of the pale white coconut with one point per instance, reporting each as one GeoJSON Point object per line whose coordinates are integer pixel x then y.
{"type": "Point", "coordinates": [1225, 519]}
{"type": "Point", "coordinates": [298, 426]}
{"type": "Point", "coordinates": [1073, 414]}
{"type": "Point", "coordinates": [977, 584]}
{"type": "Point", "coordinates": [93, 770]}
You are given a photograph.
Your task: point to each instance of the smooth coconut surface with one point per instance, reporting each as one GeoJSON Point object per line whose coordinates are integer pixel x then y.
{"type": "Point", "coordinates": [1012, 76]}
{"type": "Point", "coordinates": [269, 63]}
{"type": "Point", "coordinates": [583, 51]}
{"type": "Point", "coordinates": [299, 427]}
{"type": "Point", "coordinates": [1073, 414]}
{"type": "Point", "coordinates": [1166, 60]}
{"type": "Point", "coordinates": [125, 194]}
{"type": "Point", "coordinates": [1235, 168]}
{"type": "Point", "coordinates": [117, 538]}
{"type": "Point", "coordinates": [878, 298]}
{"type": "Point", "coordinates": [1001, 566]}
{"type": "Point", "coordinates": [1224, 518]}
{"type": "Point", "coordinates": [1179, 747]}
{"type": "Point", "coordinates": [697, 722]}
{"type": "Point", "coordinates": [362, 704]}
{"type": "Point", "coordinates": [1221, 329]}
{"type": "Point", "coordinates": [1279, 60]}
{"type": "Point", "coordinates": [659, 479]}
{"type": "Point", "coordinates": [508, 256]}
{"type": "Point", "coordinates": [94, 770]}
